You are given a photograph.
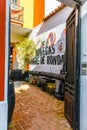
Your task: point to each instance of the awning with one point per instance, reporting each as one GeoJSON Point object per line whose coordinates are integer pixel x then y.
{"type": "Point", "coordinates": [19, 30]}
{"type": "Point", "coordinates": [17, 33]}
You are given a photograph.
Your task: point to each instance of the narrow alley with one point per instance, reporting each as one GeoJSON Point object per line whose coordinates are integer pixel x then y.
{"type": "Point", "coordinates": [37, 110]}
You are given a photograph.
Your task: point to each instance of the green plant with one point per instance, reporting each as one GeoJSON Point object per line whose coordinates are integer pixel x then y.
{"type": "Point", "coordinates": [26, 50]}
{"type": "Point", "coordinates": [51, 88]}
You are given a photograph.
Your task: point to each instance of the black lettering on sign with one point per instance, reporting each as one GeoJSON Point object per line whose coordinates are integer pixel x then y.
{"type": "Point", "coordinates": [51, 60]}
{"type": "Point", "coordinates": [42, 60]}
{"type": "Point", "coordinates": [53, 50]}
{"type": "Point", "coordinates": [62, 58]}
{"type": "Point", "coordinates": [48, 59]}
{"type": "Point", "coordinates": [49, 50]}
{"type": "Point", "coordinates": [54, 60]}
{"type": "Point", "coordinates": [58, 60]}
{"type": "Point", "coordinates": [46, 50]}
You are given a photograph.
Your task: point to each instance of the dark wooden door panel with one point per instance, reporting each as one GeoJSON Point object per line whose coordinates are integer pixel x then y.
{"type": "Point", "coordinates": [69, 107]}
{"type": "Point", "coordinates": [70, 85]}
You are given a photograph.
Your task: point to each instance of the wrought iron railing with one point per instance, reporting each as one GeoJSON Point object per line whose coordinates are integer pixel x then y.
{"type": "Point", "coordinates": [17, 13]}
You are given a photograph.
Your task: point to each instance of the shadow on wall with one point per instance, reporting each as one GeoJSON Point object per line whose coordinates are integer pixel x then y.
{"type": "Point", "coordinates": [84, 1]}
{"type": "Point", "coordinates": [58, 19]}
{"type": "Point", "coordinates": [52, 24]}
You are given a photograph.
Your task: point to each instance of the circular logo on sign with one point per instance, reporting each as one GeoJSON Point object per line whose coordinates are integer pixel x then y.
{"type": "Point", "coordinates": [51, 39]}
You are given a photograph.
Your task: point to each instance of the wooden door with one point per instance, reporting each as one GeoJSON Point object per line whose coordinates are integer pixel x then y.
{"type": "Point", "coordinates": [71, 105]}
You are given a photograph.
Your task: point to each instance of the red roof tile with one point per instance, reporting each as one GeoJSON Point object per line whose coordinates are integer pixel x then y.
{"type": "Point", "coordinates": [59, 8]}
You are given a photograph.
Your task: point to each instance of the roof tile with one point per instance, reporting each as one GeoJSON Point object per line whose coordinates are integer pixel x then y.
{"type": "Point", "coordinates": [59, 8]}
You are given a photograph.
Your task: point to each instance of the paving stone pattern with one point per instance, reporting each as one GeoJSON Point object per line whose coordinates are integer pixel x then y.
{"type": "Point", "coordinates": [37, 110]}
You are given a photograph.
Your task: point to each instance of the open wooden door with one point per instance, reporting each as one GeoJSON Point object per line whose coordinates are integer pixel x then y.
{"type": "Point", "coordinates": [71, 89]}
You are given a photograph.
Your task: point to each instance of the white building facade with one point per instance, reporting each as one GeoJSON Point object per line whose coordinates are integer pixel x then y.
{"type": "Point", "coordinates": [50, 36]}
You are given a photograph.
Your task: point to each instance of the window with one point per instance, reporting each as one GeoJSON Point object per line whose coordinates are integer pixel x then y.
{"type": "Point", "coordinates": [14, 1]}
{"type": "Point", "coordinates": [14, 4]}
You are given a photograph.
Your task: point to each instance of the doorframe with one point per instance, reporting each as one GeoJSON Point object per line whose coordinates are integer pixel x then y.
{"type": "Point", "coordinates": [4, 65]}
{"type": "Point", "coordinates": [78, 64]}
{"type": "Point", "coordinates": [76, 110]}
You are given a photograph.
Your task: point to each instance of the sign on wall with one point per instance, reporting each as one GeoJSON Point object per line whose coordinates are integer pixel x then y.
{"type": "Point", "coordinates": [51, 51]}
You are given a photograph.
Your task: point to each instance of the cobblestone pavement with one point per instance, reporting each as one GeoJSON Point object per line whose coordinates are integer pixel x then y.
{"type": "Point", "coordinates": [37, 110]}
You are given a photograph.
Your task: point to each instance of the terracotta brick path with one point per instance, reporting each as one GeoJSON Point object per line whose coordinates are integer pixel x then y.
{"type": "Point", "coordinates": [37, 110]}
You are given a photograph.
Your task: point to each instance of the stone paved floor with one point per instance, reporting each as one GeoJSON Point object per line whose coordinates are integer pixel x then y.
{"type": "Point", "coordinates": [37, 110]}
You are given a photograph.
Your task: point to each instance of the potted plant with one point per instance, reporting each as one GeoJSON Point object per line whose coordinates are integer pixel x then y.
{"type": "Point", "coordinates": [51, 87]}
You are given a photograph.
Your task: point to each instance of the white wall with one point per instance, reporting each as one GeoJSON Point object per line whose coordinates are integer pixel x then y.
{"type": "Point", "coordinates": [53, 4]}
{"type": "Point", "coordinates": [83, 86]}
{"type": "Point", "coordinates": [57, 24]}
{"type": "Point", "coordinates": [3, 115]}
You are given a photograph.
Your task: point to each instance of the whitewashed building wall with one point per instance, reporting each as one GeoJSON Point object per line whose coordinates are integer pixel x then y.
{"type": "Point", "coordinates": [55, 25]}
{"type": "Point", "coordinates": [83, 85]}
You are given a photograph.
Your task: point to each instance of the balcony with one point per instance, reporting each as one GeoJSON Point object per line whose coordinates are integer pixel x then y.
{"type": "Point", "coordinates": [16, 14]}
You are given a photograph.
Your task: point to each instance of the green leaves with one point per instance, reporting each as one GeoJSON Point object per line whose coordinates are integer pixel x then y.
{"type": "Point", "coordinates": [26, 50]}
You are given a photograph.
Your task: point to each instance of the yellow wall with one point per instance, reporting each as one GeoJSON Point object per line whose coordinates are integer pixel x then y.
{"type": "Point", "coordinates": [15, 38]}
{"type": "Point", "coordinates": [39, 11]}
{"type": "Point", "coordinates": [28, 12]}
{"type": "Point", "coordinates": [33, 12]}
